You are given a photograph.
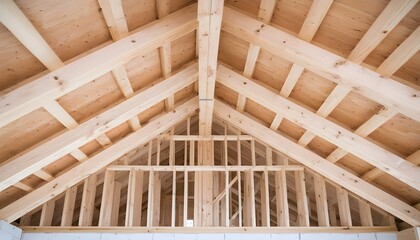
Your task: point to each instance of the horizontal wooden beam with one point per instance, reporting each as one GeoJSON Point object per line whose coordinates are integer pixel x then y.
{"type": "Point", "coordinates": [27, 98]}
{"type": "Point", "coordinates": [345, 139]}
{"type": "Point", "coordinates": [21, 166]}
{"type": "Point", "coordinates": [182, 168]}
{"type": "Point", "coordinates": [208, 138]}
{"type": "Point", "coordinates": [48, 191]}
{"type": "Point", "coordinates": [208, 229]}
{"type": "Point", "coordinates": [333, 67]}
{"type": "Point", "coordinates": [313, 161]}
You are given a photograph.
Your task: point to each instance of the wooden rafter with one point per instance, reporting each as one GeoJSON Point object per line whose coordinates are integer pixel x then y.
{"type": "Point", "coordinates": [39, 157]}
{"type": "Point", "coordinates": [209, 25]}
{"type": "Point", "coordinates": [97, 162]}
{"type": "Point", "coordinates": [386, 21]}
{"type": "Point", "coordinates": [332, 67]}
{"type": "Point", "coordinates": [369, 152]}
{"type": "Point", "coordinates": [318, 164]}
{"type": "Point", "coordinates": [33, 95]}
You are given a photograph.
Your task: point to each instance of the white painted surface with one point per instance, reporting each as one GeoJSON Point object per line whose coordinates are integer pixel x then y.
{"type": "Point", "coordinates": [228, 236]}
{"type": "Point", "coordinates": [9, 232]}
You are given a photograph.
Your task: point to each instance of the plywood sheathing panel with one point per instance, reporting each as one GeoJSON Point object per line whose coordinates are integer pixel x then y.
{"type": "Point", "coordinates": [248, 6]}
{"type": "Point", "coordinates": [407, 25]}
{"type": "Point", "coordinates": [233, 50]}
{"type": "Point", "coordinates": [410, 71]}
{"type": "Point", "coordinates": [69, 27]}
{"type": "Point", "coordinates": [345, 24]}
{"type": "Point", "coordinates": [291, 14]}
{"type": "Point", "coordinates": [144, 69]}
{"type": "Point", "coordinates": [139, 12]}
{"type": "Point", "coordinates": [398, 189]}
{"type": "Point", "coordinates": [399, 133]}
{"type": "Point", "coordinates": [312, 90]}
{"type": "Point", "coordinates": [226, 94]}
{"type": "Point", "coordinates": [354, 110]}
{"type": "Point", "coordinates": [26, 132]}
{"type": "Point", "coordinates": [262, 113]}
{"type": "Point", "coordinates": [183, 50]}
{"type": "Point", "coordinates": [271, 69]}
{"type": "Point", "coordinates": [17, 62]}
{"type": "Point", "coordinates": [92, 98]}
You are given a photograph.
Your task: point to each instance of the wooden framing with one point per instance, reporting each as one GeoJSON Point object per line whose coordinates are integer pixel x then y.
{"type": "Point", "coordinates": [344, 207]}
{"type": "Point", "coordinates": [41, 156]}
{"type": "Point", "coordinates": [209, 25]}
{"type": "Point", "coordinates": [371, 153]}
{"type": "Point", "coordinates": [318, 164]}
{"type": "Point", "coordinates": [332, 67]}
{"type": "Point", "coordinates": [35, 94]}
{"type": "Point", "coordinates": [100, 160]}
{"type": "Point", "coordinates": [134, 199]}
{"type": "Point", "coordinates": [88, 201]}
{"type": "Point", "coordinates": [235, 184]}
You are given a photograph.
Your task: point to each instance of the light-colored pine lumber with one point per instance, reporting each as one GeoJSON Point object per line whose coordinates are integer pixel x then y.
{"type": "Point", "coordinates": [209, 25]}
{"type": "Point", "coordinates": [97, 162]}
{"type": "Point", "coordinates": [321, 201]}
{"type": "Point", "coordinates": [134, 199]}
{"type": "Point", "coordinates": [344, 207]}
{"type": "Point", "coordinates": [336, 174]}
{"type": "Point", "coordinates": [68, 207]}
{"type": "Point", "coordinates": [47, 213]}
{"type": "Point", "coordinates": [301, 199]}
{"type": "Point", "coordinates": [337, 69]}
{"type": "Point", "coordinates": [36, 93]}
{"type": "Point", "coordinates": [88, 201]}
{"type": "Point", "coordinates": [358, 146]}
{"type": "Point", "coordinates": [59, 146]}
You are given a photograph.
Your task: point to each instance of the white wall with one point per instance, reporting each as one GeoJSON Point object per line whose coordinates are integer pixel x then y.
{"type": "Point", "coordinates": [230, 236]}
{"type": "Point", "coordinates": [9, 232]}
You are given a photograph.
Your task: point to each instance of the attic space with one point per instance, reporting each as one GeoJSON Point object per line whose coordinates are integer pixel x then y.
{"type": "Point", "coordinates": [179, 119]}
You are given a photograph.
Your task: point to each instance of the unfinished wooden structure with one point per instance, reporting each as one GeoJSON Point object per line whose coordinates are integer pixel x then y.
{"type": "Point", "coordinates": [178, 115]}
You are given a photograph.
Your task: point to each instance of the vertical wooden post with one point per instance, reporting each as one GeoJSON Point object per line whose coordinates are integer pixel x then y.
{"type": "Point", "coordinates": [265, 200]}
{"type": "Point", "coordinates": [216, 205]}
{"type": "Point", "coordinates": [134, 199]}
{"type": "Point", "coordinates": [68, 207]}
{"type": "Point", "coordinates": [107, 198]}
{"type": "Point", "coordinates": [173, 214]}
{"type": "Point", "coordinates": [321, 201]}
{"type": "Point", "coordinates": [301, 198]}
{"type": "Point", "coordinates": [47, 213]}
{"type": "Point", "coordinates": [238, 142]}
{"type": "Point", "coordinates": [282, 205]}
{"type": "Point", "coordinates": [115, 209]}
{"type": "Point", "coordinates": [158, 151]}
{"type": "Point", "coordinates": [88, 201]}
{"type": "Point", "coordinates": [185, 198]}
{"type": "Point", "coordinates": [344, 207]}
{"type": "Point", "coordinates": [333, 215]}
{"type": "Point", "coordinates": [249, 199]}
{"type": "Point", "coordinates": [153, 209]}
{"type": "Point", "coordinates": [365, 213]}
